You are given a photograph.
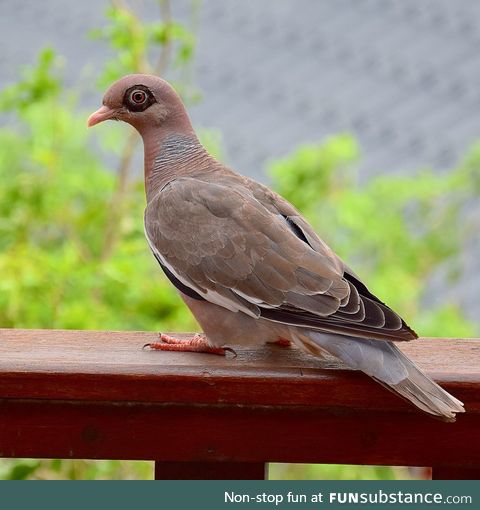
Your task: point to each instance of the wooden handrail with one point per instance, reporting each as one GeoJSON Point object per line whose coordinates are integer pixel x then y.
{"type": "Point", "coordinates": [99, 395]}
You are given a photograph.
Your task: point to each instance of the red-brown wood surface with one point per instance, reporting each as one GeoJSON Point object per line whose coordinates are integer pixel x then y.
{"type": "Point", "coordinates": [99, 395]}
{"type": "Point", "coordinates": [210, 471]}
{"type": "Point", "coordinates": [455, 473]}
{"type": "Point", "coordinates": [112, 366]}
{"type": "Point", "coordinates": [233, 434]}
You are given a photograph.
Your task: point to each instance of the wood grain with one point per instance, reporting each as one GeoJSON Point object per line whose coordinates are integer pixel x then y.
{"type": "Point", "coordinates": [181, 433]}
{"type": "Point", "coordinates": [98, 395]}
{"type": "Point", "coordinates": [111, 366]}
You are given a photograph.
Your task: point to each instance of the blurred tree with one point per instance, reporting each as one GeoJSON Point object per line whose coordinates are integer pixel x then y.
{"type": "Point", "coordinates": [64, 249]}
{"type": "Point", "coordinates": [395, 230]}
{"type": "Point", "coordinates": [69, 259]}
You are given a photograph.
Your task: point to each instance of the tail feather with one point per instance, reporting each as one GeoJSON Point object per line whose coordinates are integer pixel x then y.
{"type": "Point", "coordinates": [385, 363]}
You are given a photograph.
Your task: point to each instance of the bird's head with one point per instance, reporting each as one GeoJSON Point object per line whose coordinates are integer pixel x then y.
{"type": "Point", "coordinates": [142, 100]}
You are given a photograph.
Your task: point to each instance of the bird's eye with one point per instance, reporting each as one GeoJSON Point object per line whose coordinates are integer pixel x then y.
{"type": "Point", "coordinates": [138, 96]}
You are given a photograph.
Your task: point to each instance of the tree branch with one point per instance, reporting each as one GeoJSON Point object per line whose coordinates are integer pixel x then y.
{"type": "Point", "coordinates": [117, 203]}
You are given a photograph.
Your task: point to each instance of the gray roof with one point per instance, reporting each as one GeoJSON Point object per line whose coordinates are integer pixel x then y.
{"type": "Point", "coordinates": [401, 74]}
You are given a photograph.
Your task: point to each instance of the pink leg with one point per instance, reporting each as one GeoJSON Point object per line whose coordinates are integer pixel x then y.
{"type": "Point", "coordinates": [283, 342]}
{"type": "Point", "coordinates": [198, 343]}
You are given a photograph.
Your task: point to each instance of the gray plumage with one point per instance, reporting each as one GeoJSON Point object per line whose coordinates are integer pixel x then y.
{"type": "Point", "coordinates": [245, 261]}
{"type": "Point", "coordinates": [384, 362]}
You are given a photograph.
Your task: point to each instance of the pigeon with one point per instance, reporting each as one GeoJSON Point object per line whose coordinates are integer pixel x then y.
{"type": "Point", "coordinates": [247, 264]}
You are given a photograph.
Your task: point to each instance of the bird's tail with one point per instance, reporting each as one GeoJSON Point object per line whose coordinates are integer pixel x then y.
{"type": "Point", "coordinates": [384, 362]}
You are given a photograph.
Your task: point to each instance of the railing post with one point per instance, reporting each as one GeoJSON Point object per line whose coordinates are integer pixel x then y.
{"type": "Point", "coordinates": [455, 473]}
{"type": "Point", "coordinates": [211, 470]}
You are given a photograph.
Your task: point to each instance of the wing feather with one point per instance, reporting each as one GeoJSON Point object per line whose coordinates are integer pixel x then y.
{"type": "Point", "coordinates": [245, 248]}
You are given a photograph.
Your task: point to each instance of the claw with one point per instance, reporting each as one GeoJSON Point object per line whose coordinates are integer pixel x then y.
{"type": "Point", "coordinates": [198, 343]}
{"type": "Point", "coordinates": [229, 349]}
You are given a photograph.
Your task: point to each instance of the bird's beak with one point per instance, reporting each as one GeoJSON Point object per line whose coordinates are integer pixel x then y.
{"type": "Point", "coordinates": [103, 113]}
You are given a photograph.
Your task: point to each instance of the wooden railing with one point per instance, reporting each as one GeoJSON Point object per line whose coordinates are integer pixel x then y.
{"type": "Point", "coordinates": [98, 395]}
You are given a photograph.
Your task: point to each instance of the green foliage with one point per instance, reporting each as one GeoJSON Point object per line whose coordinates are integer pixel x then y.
{"type": "Point", "coordinates": [134, 40]}
{"type": "Point", "coordinates": [395, 230]}
{"type": "Point", "coordinates": [39, 83]}
{"type": "Point", "coordinates": [336, 472]}
{"type": "Point", "coordinates": [68, 258]}
{"type": "Point", "coordinates": [72, 248]}
{"type": "Point", "coordinates": [18, 469]}
{"type": "Point", "coordinates": [55, 206]}
{"type": "Point", "coordinates": [57, 469]}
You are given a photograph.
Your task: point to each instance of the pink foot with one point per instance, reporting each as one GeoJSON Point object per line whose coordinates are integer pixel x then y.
{"type": "Point", "coordinates": [283, 342]}
{"type": "Point", "coordinates": [198, 343]}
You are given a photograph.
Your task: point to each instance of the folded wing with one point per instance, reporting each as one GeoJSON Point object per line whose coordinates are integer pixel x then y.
{"type": "Point", "coordinates": [249, 254]}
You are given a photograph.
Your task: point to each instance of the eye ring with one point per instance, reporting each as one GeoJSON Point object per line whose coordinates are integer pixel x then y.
{"type": "Point", "coordinates": [138, 97]}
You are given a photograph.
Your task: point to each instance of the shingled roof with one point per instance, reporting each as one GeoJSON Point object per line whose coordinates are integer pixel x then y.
{"type": "Point", "coordinates": [402, 75]}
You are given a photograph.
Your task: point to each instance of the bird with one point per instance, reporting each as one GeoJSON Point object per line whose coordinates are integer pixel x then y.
{"type": "Point", "coordinates": [246, 262]}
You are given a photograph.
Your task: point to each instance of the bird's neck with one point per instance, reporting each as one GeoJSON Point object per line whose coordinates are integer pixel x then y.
{"type": "Point", "coordinates": [170, 154]}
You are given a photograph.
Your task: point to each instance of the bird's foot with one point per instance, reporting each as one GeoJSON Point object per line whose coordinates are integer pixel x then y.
{"type": "Point", "coordinates": [198, 343]}
{"type": "Point", "coordinates": [283, 342]}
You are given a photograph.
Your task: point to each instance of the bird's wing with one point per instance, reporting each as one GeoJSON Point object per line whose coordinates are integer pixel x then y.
{"type": "Point", "coordinates": [254, 253]}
